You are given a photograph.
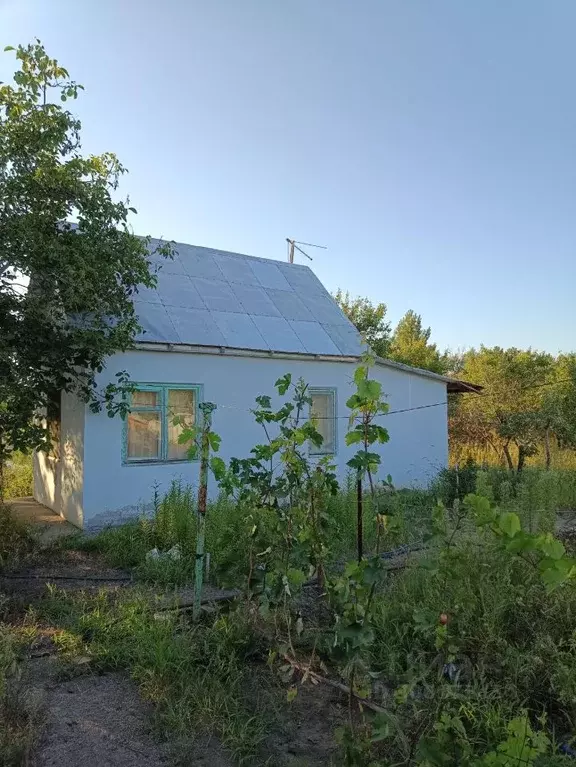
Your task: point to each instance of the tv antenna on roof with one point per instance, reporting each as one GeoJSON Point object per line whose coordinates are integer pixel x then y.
{"type": "Point", "coordinates": [293, 244]}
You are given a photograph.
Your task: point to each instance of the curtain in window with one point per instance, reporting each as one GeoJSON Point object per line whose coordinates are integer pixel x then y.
{"type": "Point", "coordinates": [323, 409]}
{"type": "Point", "coordinates": [143, 434]}
{"type": "Point", "coordinates": [182, 404]}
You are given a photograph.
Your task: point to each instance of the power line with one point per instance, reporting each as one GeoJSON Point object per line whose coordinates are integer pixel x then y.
{"type": "Point", "coordinates": [405, 409]}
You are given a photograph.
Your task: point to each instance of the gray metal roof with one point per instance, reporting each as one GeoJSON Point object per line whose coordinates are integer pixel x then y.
{"type": "Point", "coordinates": [213, 298]}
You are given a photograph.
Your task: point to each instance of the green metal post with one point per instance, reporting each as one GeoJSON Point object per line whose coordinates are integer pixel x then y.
{"type": "Point", "coordinates": [206, 408]}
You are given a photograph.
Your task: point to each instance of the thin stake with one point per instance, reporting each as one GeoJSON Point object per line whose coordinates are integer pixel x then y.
{"type": "Point", "coordinates": [206, 409]}
{"type": "Point", "coordinates": [360, 531]}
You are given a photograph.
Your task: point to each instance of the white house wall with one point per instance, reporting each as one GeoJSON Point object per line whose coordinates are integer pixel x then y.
{"type": "Point", "coordinates": [72, 458]}
{"type": "Point", "coordinates": [417, 450]}
{"type": "Point", "coordinates": [46, 477]}
{"type": "Point", "coordinates": [58, 484]}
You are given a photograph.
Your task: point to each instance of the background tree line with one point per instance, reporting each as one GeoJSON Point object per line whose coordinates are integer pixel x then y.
{"type": "Point", "coordinates": [527, 409]}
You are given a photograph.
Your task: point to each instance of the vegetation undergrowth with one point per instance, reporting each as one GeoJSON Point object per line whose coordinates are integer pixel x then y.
{"type": "Point", "coordinates": [199, 676]}
{"type": "Point", "coordinates": [20, 714]}
{"type": "Point", "coordinates": [463, 656]}
{"type": "Point", "coordinates": [19, 711]}
{"type": "Point", "coordinates": [16, 539]}
{"type": "Point", "coordinates": [18, 476]}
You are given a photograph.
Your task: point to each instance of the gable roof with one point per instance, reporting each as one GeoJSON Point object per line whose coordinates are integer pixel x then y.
{"type": "Point", "coordinates": [215, 300]}
{"type": "Point", "coordinates": [210, 297]}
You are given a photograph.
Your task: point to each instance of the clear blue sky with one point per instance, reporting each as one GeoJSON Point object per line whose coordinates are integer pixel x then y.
{"type": "Point", "coordinates": [430, 144]}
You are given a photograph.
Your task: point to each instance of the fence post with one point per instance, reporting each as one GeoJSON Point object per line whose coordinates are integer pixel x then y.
{"type": "Point", "coordinates": [359, 516]}
{"type": "Point", "coordinates": [206, 408]}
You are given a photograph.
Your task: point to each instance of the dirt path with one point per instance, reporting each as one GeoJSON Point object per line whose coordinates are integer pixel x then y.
{"type": "Point", "coordinates": [92, 719]}
{"type": "Point", "coordinates": [101, 720]}
{"type": "Point", "coordinates": [95, 720]}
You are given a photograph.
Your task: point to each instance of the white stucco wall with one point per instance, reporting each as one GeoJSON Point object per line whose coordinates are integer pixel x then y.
{"type": "Point", "coordinates": [59, 483]}
{"type": "Point", "coordinates": [46, 478]}
{"type": "Point", "coordinates": [417, 450]}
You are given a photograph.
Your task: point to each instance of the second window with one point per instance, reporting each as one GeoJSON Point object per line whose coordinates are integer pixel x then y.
{"type": "Point", "coordinates": [323, 409]}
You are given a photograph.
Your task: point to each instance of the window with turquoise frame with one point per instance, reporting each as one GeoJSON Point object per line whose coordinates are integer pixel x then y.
{"type": "Point", "coordinates": [323, 411]}
{"type": "Point", "coordinates": [149, 431]}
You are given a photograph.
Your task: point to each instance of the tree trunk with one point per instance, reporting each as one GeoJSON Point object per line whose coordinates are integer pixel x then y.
{"type": "Point", "coordinates": [521, 459]}
{"type": "Point", "coordinates": [547, 448]}
{"type": "Point", "coordinates": [509, 461]}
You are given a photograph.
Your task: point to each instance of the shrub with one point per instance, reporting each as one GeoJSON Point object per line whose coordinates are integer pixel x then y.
{"type": "Point", "coordinates": [466, 640]}
{"type": "Point", "coordinates": [455, 482]}
{"type": "Point", "coordinates": [18, 476]}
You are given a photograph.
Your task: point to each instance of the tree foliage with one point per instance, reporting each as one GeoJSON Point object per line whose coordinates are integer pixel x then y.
{"type": "Point", "coordinates": [65, 290]}
{"type": "Point", "coordinates": [411, 345]}
{"type": "Point", "coordinates": [369, 319]}
{"type": "Point", "coordinates": [528, 399]}
{"type": "Point", "coordinates": [528, 405]}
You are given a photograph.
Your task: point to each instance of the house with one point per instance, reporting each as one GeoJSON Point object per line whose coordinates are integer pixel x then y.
{"type": "Point", "coordinates": [223, 327]}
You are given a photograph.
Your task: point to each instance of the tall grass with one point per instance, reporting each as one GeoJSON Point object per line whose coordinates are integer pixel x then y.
{"type": "Point", "coordinates": [16, 540]}
{"type": "Point", "coordinates": [18, 476]}
{"type": "Point", "coordinates": [173, 526]}
{"type": "Point", "coordinates": [20, 710]}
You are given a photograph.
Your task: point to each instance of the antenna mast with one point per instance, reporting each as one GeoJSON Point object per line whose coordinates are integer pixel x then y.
{"type": "Point", "coordinates": [293, 245]}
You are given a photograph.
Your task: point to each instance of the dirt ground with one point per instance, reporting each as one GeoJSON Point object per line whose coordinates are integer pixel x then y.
{"type": "Point", "coordinates": [101, 720]}
{"type": "Point", "coordinates": [95, 720]}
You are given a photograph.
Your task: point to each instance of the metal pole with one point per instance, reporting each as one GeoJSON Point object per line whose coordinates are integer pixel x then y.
{"type": "Point", "coordinates": [206, 409]}
{"type": "Point", "coordinates": [359, 519]}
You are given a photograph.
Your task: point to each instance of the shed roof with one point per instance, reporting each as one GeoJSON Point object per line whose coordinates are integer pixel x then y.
{"type": "Point", "coordinates": [220, 300]}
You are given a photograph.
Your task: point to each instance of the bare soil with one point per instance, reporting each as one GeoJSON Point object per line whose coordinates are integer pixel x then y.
{"type": "Point", "coordinates": [102, 720]}
{"type": "Point", "coordinates": [95, 720]}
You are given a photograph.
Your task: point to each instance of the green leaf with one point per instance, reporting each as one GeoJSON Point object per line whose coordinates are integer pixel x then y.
{"type": "Point", "coordinates": [296, 577]}
{"type": "Point", "coordinates": [283, 384]}
{"type": "Point", "coordinates": [382, 434]}
{"type": "Point", "coordinates": [360, 374]}
{"type": "Point", "coordinates": [355, 436]}
{"type": "Point", "coordinates": [552, 547]}
{"type": "Point", "coordinates": [9, 48]}
{"type": "Point", "coordinates": [214, 440]}
{"type": "Point", "coordinates": [353, 402]}
{"type": "Point", "coordinates": [509, 524]}
{"type": "Point", "coordinates": [218, 468]}
{"type": "Point", "coordinates": [369, 389]}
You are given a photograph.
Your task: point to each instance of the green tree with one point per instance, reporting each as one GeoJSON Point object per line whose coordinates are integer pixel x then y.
{"type": "Point", "coordinates": [370, 320]}
{"type": "Point", "coordinates": [558, 416]}
{"type": "Point", "coordinates": [65, 291]}
{"type": "Point", "coordinates": [411, 345]}
{"type": "Point", "coordinates": [512, 415]}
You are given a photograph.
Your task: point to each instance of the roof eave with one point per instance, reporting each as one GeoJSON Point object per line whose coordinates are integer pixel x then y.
{"type": "Point", "coordinates": [453, 384]}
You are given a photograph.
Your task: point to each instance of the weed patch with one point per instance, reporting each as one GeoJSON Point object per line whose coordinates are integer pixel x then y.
{"type": "Point", "coordinates": [200, 676]}
{"type": "Point", "coordinates": [16, 540]}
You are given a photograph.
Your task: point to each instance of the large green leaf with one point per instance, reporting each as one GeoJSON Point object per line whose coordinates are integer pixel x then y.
{"type": "Point", "coordinates": [509, 524]}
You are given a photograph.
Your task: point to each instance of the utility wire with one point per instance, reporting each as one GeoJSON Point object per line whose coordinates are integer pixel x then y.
{"type": "Point", "coordinates": [410, 409]}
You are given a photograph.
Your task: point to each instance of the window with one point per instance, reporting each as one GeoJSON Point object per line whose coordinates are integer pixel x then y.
{"type": "Point", "coordinates": [324, 410]}
{"type": "Point", "coordinates": [150, 433]}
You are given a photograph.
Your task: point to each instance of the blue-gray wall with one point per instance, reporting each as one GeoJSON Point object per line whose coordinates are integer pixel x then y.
{"type": "Point", "coordinates": [417, 450]}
